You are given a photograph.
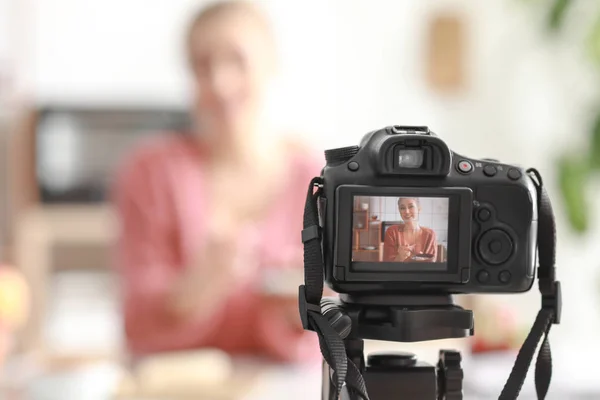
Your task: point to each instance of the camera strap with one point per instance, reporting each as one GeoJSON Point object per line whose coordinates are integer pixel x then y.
{"type": "Point", "coordinates": [550, 312]}
{"type": "Point", "coordinates": [332, 345]}
{"type": "Point", "coordinates": [310, 294]}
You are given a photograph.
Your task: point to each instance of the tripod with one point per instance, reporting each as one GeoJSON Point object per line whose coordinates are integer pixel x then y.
{"type": "Point", "coordinates": [402, 319]}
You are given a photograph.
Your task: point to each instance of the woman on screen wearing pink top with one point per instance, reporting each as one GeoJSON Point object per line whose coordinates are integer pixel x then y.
{"type": "Point", "coordinates": [207, 218]}
{"type": "Point", "coordinates": [405, 241]}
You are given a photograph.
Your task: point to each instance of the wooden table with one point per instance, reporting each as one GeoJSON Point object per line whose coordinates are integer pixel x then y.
{"type": "Point", "coordinates": [56, 377]}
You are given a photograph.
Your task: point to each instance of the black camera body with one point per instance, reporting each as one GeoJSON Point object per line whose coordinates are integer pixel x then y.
{"type": "Point", "coordinates": [433, 221]}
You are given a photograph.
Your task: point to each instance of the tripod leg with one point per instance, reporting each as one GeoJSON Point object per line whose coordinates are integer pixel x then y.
{"type": "Point", "coordinates": [345, 395]}
{"type": "Point", "coordinates": [355, 352]}
{"type": "Point", "coordinates": [327, 389]}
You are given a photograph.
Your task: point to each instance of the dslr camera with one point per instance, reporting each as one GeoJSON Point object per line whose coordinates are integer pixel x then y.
{"type": "Point", "coordinates": [405, 214]}
{"type": "Point", "coordinates": [397, 225]}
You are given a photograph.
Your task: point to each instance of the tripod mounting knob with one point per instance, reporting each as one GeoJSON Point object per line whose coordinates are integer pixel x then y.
{"type": "Point", "coordinates": [450, 375]}
{"type": "Point", "coordinates": [393, 360]}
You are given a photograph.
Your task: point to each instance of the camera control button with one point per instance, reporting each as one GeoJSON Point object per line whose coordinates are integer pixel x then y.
{"type": "Point", "coordinates": [353, 166]}
{"type": "Point", "coordinates": [465, 166]}
{"type": "Point", "coordinates": [504, 277]}
{"type": "Point", "coordinates": [483, 276]}
{"type": "Point", "coordinates": [514, 174]}
{"type": "Point", "coordinates": [489, 170]}
{"type": "Point", "coordinates": [495, 247]}
{"type": "Point", "coordinates": [484, 214]}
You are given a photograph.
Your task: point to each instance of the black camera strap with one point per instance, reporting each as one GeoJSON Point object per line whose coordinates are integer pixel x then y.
{"type": "Point", "coordinates": [332, 345]}
{"type": "Point", "coordinates": [310, 294]}
{"type": "Point", "coordinates": [550, 312]}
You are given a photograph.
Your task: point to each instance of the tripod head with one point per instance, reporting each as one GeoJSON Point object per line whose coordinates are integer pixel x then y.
{"type": "Point", "coordinates": [395, 318]}
{"type": "Point", "coordinates": [400, 319]}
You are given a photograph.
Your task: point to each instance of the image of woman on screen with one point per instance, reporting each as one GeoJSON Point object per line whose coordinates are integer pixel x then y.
{"type": "Point", "coordinates": [409, 241]}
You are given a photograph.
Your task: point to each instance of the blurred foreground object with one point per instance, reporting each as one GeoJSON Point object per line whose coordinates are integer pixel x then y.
{"type": "Point", "coordinates": [14, 299]}
{"type": "Point", "coordinates": [14, 307]}
{"type": "Point", "coordinates": [203, 375]}
{"type": "Point", "coordinates": [496, 328]}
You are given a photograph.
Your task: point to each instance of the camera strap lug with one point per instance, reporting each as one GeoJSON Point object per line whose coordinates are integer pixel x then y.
{"type": "Point", "coordinates": [310, 233]}
{"type": "Point", "coordinates": [305, 307]}
{"type": "Point", "coordinates": [552, 299]}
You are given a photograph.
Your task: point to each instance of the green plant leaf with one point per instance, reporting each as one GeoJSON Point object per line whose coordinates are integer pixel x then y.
{"type": "Point", "coordinates": [573, 177]}
{"type": "Point", "coordinates": [595, 145]}
{"type": "Point", "coordinates": [557, 14]}
{"type": "Point", "coordinates": [593, 43]}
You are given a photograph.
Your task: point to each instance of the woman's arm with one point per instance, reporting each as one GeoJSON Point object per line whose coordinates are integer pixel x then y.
{"type": "Point", "coordinates": [216, 269]}
{"type": "Point", "coordinates": [430, 246]}
{"type": "Point", "coordinates": [395, 251]}
{"type": "Point", "coordinates": [279, 330]}
{"type": "Point", "coordinates": [164, 299]}
{"type": "Point", "coordinates": [280, 334]}
{"type": "Point", "coordinates": [390, 247]}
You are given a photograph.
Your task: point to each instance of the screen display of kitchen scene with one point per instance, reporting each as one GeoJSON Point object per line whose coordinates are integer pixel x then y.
{"type": "Point", "coordinates": [400, 229]}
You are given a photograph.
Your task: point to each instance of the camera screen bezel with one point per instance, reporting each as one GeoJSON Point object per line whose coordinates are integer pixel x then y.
{"type": "Point", "coordinates": [459, 237]}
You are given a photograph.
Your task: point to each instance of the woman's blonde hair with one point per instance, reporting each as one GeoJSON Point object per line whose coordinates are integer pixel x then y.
{"type": "Point", "coordinates": [225, 8]}
{"type": "Point", "coordinates": [416, 199]}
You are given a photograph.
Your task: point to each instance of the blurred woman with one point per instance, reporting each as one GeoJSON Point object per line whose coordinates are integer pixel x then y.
{"type": "Point", "coordinates": [405, 241]}
{"type": "Point", "coordinates": [208, 217]}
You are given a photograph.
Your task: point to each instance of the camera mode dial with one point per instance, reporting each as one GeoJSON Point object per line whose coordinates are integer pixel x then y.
{"type": "Point", "coordinates": [339, 155]}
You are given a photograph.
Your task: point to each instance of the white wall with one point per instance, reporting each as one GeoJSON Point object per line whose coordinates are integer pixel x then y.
{"type": "Point", "coordinates": [349, 67]}
{"type": "Point", "coordinates": [346, 69]}
{"type": "Point", "coordinates": [433, 213]}
{"type": "Point", "coordinates": [4, 13]}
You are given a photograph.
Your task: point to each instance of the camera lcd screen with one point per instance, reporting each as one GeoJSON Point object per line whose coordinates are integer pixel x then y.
{"type": "Point", "coordinates": [409, 231]}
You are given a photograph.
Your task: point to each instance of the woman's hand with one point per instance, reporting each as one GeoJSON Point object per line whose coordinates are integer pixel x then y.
{"type": "Point", "coordinates": [222, 262]}
{"type": "Point", "coordinates": [287, 308]}
{"type": "Point", "coordinates": [425, 260]}
{"type": "Point", "coordinates": [404, 252]}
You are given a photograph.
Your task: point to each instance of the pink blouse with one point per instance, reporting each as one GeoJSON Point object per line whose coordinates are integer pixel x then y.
{"type": "Point", "coordinates": [159, 195]}
{"type": "Point", "coordinates": [394, 238]}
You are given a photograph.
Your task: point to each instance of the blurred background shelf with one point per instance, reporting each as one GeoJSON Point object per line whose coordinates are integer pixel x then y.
{"type": "Point", "coordinates": [62, 161]}
{"type": "Point", "coordinates": [52, 238]}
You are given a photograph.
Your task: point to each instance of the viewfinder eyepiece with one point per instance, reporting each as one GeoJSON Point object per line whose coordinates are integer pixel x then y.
{"type": "Point", "coordinates": [410, 158]}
